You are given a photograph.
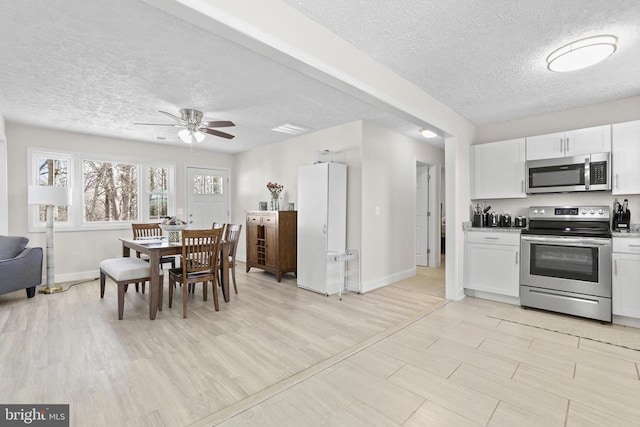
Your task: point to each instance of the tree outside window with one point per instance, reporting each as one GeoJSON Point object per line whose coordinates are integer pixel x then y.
{"type": "Point", "coordinates": [110, 191]}
{"type": "Point", "coordinates": [52, 171]}
{"type": "Point", "coordinates": [158, 192]}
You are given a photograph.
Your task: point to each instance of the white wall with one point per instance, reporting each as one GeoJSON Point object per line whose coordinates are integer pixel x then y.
{"type": "Point", "coordinates": [622, 110]}
{"type": "Point", "coordinates": [77, 253]}
{"type": "Point", "coordinates": [4, 200]}
{"type": "Point", "coordinates": [389, 187]}
{"type": "Point", "coordinates": [279, 162]}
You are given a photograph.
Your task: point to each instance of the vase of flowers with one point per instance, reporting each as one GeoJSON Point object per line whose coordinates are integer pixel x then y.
{"type": "Point", "coordinates": [275, 189]}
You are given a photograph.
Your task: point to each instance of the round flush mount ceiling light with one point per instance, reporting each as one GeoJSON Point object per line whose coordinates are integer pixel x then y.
{"type": "Point", "coordinates": [428, 133]}
{"type": "Point", "coordinates": [582, 53]}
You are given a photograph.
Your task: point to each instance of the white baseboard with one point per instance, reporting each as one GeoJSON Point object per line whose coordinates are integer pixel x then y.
{"type": "Point", "coordinates": [493, 297]}
{"type": "Point", "coordinates": [74, 277]}
{"type": "Point", "coordinates": [626, 321]}
{"type": "Point", "coordinates": [387, 280]}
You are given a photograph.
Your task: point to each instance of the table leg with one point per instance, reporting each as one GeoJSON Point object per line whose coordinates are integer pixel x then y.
{"type": "Point", "coordinates": [155, 299]}
{"type": "Point", "coordinates": [225, 272]}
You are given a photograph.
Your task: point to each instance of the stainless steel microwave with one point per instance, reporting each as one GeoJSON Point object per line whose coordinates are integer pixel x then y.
{"type": "Point", "coordinates": [589, 172]}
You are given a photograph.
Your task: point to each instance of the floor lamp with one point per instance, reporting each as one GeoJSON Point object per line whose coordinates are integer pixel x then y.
{"type": "Point", "coordinates": [50, 196]}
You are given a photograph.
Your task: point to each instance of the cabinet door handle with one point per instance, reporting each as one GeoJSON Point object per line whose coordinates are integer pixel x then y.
{"type": "Point", "coordinates": [517, 257]}
{"type": "Point", "coordinates": [492, 238]}
{"type": "Point", "coordinates": [617, 181]}
{"type": "Point", "coordinates": [561, 146]}
{"type": "Point", "coordinates": [522, 186]}
{"type": "Point", "coordinates": [615, 267]}
{"type": "Point", "coordinates": [634, 246]}
{"type": "Point", "coordinates": [566, 147]}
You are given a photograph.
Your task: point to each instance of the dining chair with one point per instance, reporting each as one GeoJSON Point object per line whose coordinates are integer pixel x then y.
{"type": "Point", "coordinates": [218, 225]}
{"type": "Point", "coordinates": [148, 231]}
{"type": "Point", "coordinates": [232, 237]}
{"type": "Point", "coordinates": [200, 249]}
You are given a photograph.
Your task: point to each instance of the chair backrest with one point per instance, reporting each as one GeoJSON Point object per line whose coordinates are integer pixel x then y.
{"type": "Point", "coordinates": [200, 249]}
{"type": "Point", "coordinates": [232, 235]}
{"type": "Point", "coordinates": [218, 225]}
{"type": "Point", "coordinates": [146, 230]}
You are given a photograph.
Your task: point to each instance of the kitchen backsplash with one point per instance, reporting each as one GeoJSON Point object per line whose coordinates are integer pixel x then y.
{"type": "Point", "coordinates": [520, 206]}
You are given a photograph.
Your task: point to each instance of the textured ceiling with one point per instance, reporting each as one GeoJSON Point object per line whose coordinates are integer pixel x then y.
{"type": "Point", "coordinates": [486, 59]}
{"type": "Point", "coordinates": [98, 66]}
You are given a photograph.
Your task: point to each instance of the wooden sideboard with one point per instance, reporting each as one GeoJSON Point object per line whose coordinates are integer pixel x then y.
{"type": "Point", "coordinates": [272, 241]}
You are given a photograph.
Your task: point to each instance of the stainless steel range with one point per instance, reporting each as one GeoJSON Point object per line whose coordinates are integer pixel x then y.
{"type": "Point", "coordinates": [566, 261]}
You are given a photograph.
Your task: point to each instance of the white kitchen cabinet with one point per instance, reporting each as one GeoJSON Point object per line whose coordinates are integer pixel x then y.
{"type": "Point", "coordinates": [571, 143]}
{"type": "Point", "coordinates": [625, 297]}
{"type": "Point", "coordinates": [322, 223]}
{"type": "Point", "coordinates": [492, 262]}
{"type": "Point", "coordinates": [498, 170]}
{"type": "Point", "coordinates": [625, 156]}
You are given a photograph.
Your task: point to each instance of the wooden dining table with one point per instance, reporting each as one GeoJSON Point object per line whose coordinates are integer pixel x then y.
{"type": "Point", "coordinates": [157, 248]}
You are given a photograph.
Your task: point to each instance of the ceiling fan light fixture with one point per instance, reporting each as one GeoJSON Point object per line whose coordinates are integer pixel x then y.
{"type": "Point", "coordinates": [582, 53]}
{"type": "Point", "coordinates": [190, 137]}
{"type": "Point", "coordinates": [428, 133]}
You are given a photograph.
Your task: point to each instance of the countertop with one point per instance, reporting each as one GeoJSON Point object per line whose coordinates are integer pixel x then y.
{"type": "Point", "coordinates": [466, 226]}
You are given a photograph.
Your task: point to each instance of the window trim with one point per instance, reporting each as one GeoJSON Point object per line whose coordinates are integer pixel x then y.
{"type": "Point", "coordinates": [76, 179]}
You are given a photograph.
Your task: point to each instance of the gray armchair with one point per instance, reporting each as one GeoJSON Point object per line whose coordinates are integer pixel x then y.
{"type": "Point", "coordinates": [20, 266]}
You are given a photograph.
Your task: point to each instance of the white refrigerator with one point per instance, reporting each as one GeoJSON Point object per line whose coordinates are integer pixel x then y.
{"type": "Point", "coordinates": [322, 224]}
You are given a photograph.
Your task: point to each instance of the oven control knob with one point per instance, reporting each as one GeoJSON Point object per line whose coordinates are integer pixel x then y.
{"type": "Point", "coordinates": [535, 211]}
{"type": "Point", "coordinates": [592, 212]}
{"type": "Point", "coordinates": [542, 211]}
{"type": "Point", "coordinates": [601, 212]}
{"type": "Point", "coordinates": [584, 212]}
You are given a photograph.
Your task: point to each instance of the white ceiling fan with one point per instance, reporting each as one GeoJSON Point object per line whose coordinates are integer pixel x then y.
{"type": "Point", "coordinates": [193, 128]}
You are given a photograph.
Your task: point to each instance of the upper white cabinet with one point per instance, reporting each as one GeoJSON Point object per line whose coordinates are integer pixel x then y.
{"type": "Point", "coordinates": [625, 156]}
{"type": "Point", "coordinates": [571, 143]}
{"type": "Point", "coordinates": [498, 170]}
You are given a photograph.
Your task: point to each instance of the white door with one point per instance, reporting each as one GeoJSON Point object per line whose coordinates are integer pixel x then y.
{"type": "Point", "coordinates": [207, 197]}
{"type": "Point", "coordinates": [422, 215]}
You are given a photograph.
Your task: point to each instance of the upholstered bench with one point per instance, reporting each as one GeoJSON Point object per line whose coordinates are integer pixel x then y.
{"type": "Point", "coordinates": [124, 271]}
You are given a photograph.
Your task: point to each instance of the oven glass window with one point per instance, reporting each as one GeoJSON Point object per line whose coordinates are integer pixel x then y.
{"type": "Point", "coordinates": [566, 262]}
{"type": "Point", "coordinates": [556, 176]}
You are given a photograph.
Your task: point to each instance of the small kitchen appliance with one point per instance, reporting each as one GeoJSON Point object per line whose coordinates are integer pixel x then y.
{"type": "Point", "coordinates": [520, 221]}
{"type": "Point", "coordinates": [505, 220]}
{"type": "Point", "coordinates": [588, 172]}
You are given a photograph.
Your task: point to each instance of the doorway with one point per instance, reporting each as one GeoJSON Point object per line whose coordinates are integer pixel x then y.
{"type": "Point", "coordinates": [430, 265]}
{"type": "Point", "coordinates": [207, 197]}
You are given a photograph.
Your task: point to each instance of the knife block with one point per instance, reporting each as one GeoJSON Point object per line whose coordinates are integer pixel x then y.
{"type": "Point", "coordinates": [621, 221]}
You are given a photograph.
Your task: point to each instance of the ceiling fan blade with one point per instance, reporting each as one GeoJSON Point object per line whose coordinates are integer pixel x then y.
{"type": "Point", "coordinates": [218, 124]}
{"type": "Point", "coordinates": [216, 133]}
{"type": "Point", "coordinates": [174, 117]}
{"type": "Point", "coordinates": [159, 124]}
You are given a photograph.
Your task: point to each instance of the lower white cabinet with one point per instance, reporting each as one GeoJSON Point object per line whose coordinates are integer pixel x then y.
{"type": "Point", "coordinates": [492, 262]}
{"type": "Point", "coordinates": [625, 296]}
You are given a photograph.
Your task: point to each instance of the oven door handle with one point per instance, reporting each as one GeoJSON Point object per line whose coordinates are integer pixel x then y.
{"type": "Point", "coordinates": [582, 241]}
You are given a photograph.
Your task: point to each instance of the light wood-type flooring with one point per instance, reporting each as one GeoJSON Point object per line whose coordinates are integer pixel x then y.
{"type": "Point", "coordinates": [279, 356]}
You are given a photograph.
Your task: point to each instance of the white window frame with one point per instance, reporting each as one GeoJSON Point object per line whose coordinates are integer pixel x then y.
{"type": "Point", "coordinates": [76, 220]}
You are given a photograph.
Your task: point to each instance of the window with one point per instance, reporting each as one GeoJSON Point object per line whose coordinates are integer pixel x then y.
{"type": "Point", "coordinates": [208, 184]}
{"type": "Point", "coordinates": [52, 170]}
{"type": "Point", "coordinates": [111, 192]}
{"type": "Point", "coordinates": [158, 191]}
